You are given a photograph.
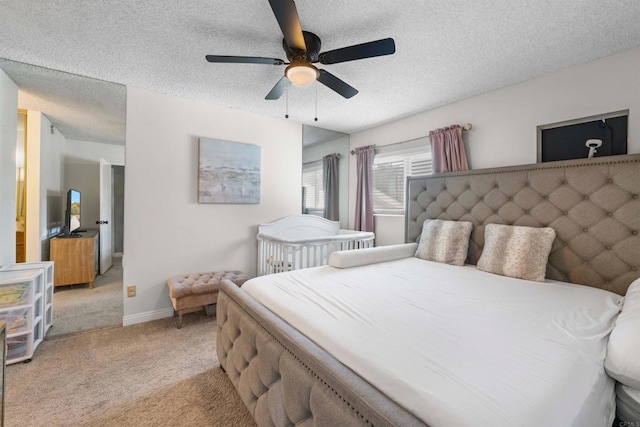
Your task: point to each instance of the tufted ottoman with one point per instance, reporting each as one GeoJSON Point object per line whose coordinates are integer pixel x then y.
{"type": "Point", "coordinates": [195, 291]}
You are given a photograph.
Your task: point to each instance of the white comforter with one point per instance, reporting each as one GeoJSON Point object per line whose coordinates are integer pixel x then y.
{"type": "Point", "coordinates": [455, 345]}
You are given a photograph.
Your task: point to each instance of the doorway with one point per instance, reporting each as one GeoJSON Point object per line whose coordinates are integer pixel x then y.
{"type": "Point", "coordinates": [118, 210]}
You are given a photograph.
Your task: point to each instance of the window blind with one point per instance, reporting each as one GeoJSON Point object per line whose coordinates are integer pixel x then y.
{"type": "Point", "coordinates": [314, 188]}
{"type": "Point", "coordinates": [390, 172]}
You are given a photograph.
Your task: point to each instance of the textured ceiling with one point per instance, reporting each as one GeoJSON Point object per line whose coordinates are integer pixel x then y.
{"type": "Point", "coordinates": [445, 50]}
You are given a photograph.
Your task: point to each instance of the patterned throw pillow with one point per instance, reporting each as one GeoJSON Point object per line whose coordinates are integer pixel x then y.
{"type": "Point", "coordinates": [444, 241]}
{"type": "Point", "coordinates": [516, 251]}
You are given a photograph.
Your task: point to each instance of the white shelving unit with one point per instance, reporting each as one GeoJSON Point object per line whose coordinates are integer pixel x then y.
{"type": "Point", "coordinates": [22, 307]}
{"type": "Point", "coordinates": [48, 268]}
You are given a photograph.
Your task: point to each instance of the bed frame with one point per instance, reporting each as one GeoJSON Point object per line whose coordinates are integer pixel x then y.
{"type": "Point", "coordinates": [285, 379]}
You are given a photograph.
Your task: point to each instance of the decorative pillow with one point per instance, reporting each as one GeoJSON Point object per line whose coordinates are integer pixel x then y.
{"type": "Point", "coordinates": [623, 348]}
{"type": "Point", "coordinates": [444, 241]}
{"type": "Point", "coordinates": [516, 251]}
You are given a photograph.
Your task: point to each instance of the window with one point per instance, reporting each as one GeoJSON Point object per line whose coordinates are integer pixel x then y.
{"type": "Point", "coordinates": [314, 188]}
{"type": "Point", "coordinates": [390, 172]}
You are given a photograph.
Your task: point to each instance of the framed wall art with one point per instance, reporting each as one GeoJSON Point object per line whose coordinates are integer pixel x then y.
{"type": "Point", "coordinates": [228, 172]}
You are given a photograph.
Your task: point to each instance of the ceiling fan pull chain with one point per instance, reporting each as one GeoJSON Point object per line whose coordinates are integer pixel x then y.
{"type": "Point", "coordinates": [286, 113]}
{"type": "Point", "coordinates": [316, 117]}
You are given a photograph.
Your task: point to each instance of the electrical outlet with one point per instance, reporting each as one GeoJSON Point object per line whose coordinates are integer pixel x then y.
{"type": "Point", "coordinates": [131, 291]}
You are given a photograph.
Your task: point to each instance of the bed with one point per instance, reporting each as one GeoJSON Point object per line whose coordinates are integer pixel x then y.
{"type": "Point", "coordinates": [285, 378]}
{"type": "Point", "coordinates": [303, 241]}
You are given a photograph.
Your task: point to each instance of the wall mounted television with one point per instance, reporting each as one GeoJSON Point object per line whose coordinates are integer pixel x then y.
{"type": "Point", "coordinates": [72, 223]}
{"type": "Point", "coordinates": [595, 136]}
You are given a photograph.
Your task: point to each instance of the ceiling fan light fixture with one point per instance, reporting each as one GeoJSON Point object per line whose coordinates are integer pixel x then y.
{"type": "Point", "coordinates": [301, 73]}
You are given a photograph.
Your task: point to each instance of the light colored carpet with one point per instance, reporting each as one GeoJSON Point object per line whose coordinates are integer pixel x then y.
{"type": "Point", "coordinates": [150, 374]}
{"type": "Point", "coordinates": [77, 308]}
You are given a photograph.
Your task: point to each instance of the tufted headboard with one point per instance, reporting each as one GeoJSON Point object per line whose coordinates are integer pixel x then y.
{"type": "Point", "coordinates": [593, 205]}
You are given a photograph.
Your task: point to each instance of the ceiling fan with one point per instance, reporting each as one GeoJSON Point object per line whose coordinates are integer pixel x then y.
{"type": "Point", "coordinates": [303, 49]}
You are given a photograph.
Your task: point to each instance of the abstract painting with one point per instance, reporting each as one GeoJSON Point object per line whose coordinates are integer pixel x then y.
{"type": "Point", "coordinates": [228, 172]}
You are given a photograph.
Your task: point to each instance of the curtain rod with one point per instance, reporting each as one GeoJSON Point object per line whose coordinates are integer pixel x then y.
{"type": "Point", "coordinates": [319, 160]}
{"type": "Point", "coordinates": [465, 128]}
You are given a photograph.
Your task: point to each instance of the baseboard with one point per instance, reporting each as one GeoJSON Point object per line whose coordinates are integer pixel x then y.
{"type": "Point", "coordinates": [147, 316]}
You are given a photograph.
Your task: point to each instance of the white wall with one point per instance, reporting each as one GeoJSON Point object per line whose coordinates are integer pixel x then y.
{"type": "Point", "coordinates": [504, 121]}
{"type": "Point", "coordinates": [52, 147]}
{"type": "Point", "coordinates": [166, 231]}
{"type": "Point", "coordinates": [44, 173]}
{"type": "Point", "coordinates": [340, 146]}
{"type": "Point", "coordinates": [94, 151]}
{"type": "Point", "coordinates": [389, 229]}
{"type": "Point", "coordinates": [8, 135]}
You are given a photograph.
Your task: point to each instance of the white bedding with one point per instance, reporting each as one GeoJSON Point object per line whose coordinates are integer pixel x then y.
{"type": "Point", "coordinates": [455, 345]}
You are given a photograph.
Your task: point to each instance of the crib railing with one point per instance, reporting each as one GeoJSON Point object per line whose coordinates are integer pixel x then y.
{"type": "Point", "coordinates": [276, 255]}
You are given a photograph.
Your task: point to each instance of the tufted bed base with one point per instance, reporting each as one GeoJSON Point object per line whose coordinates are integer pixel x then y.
{"type": "Point", "coordinates": [285, 379]}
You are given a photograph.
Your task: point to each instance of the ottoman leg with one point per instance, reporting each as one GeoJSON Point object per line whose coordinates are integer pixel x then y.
{"type": "Point", "coordinates": [210, 309]}
{"type": "Point", "coordinates": [179, 319]}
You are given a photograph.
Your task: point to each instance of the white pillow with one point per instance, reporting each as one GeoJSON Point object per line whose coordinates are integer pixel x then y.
{"type": "Point", "coordinates": [444, 241]}
{"type": "Point", "coordinates": [357, 257]}
{"type": "Point", "coordinates": [627, 404]}
{"type": "Point", "coordinates": [516, 251]}
{"type": "Point", "coordinates": [623, 348]}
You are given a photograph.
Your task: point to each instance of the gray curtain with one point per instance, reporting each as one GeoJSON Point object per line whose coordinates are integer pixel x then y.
{"type": "Point", "coordinates": [331, 188]}
{"type": "Point", "coordinates": [364, 191]}
{"type": "Point", "coordinates": [447, 149]}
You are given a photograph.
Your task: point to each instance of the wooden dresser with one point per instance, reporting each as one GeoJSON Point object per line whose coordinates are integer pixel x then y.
{"type": "Point", "coordinates": [76, 258]}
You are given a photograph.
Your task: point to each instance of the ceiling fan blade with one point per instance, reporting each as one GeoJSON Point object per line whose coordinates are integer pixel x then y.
{"type": "Point", "coordinates": [335, 84]}
{"type": "Point", "coordinates": [359, 51]}
{"type": "Point", "coordinates": [243, 60]}
{"type": "Point", "coordinates": [287, 16]}
{"type": "Point", "coordinates": [279, 89]}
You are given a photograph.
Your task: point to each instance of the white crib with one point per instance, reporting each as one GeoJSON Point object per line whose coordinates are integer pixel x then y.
{"type": "Point", "coordinates": [303, 241]}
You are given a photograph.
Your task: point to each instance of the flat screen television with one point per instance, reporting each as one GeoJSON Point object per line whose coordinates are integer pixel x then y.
{"type": "Point", "coordinates": [590, 137]}
{"type": "Point", "coordinates": [73, 212]}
